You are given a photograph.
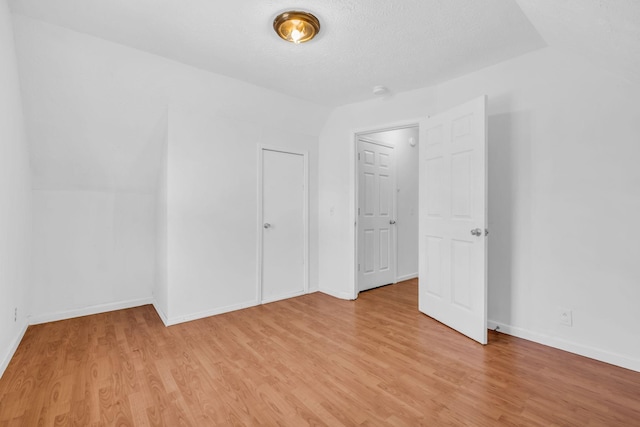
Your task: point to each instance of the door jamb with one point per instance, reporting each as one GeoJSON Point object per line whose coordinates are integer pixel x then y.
{"type": "Point", "coordinates": [305, 212]}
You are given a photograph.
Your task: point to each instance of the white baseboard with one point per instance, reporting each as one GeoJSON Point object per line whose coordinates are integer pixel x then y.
{"type": "Point", "coordinates": [406, 277]}
{"type": "Point", "coordinates": [162, 314]}
{"type": "Point", "coordinates": [590, 352]}
{"type": "Point", "coordinates": [340, 295]}
{"type": "Point", "coordinates": [86, 311]}
{"type": "Point", "coordinates": [169, 321]}
{"type": "Point", "coordinates": [280, 298]}
{"type": "Point", "coordinates": [572, 347]}
{"type": "Point", "coordinates": [12, 349]}
{"type": "Point", "coordinates": [207, 313]}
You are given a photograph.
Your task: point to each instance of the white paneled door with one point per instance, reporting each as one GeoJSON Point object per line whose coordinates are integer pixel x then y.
{"type": "Point", "coordinates": [376, 215]}
{"type": "Point", "coordinates": [283, 270]}
{"type": "Point", "coordinates": [453, 219]}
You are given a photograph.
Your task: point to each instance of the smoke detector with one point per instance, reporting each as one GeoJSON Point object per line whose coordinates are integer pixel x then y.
{"type": "Point", "coordinates": [380, 90]}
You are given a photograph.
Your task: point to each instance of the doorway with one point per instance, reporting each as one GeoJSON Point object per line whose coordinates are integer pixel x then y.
{"type": "Point", "coordinates": [387, 199]}
{"type": "Point", "coordinates": [452, 171]}
{"type": "Point", "coordinates": [283, 224]}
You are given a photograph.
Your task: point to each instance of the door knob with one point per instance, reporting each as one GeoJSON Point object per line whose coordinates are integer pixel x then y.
{"type": "Point", "coordinates": [267, 225]}
{"type": "Point", "coordinates": [476, 232]}
{"type": "Point", "coordinates": [392, 222]}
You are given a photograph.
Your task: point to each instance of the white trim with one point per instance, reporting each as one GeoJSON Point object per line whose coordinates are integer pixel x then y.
{"type": "Point", "coordinates": [572, 347]}
{"type": "Point", "coordinates": [161, 314]}
{"type": "Point", "coordinates": [12, 349]}
{"type": "Point", "coordinates": [305, 214]}
{"type": "Point", "coordinates": [406, 277]}
{"type": "Point", "coordinates": [406, 124]}
{"type": "Point", "coordinates": [281, 297]}
{"type": "Point", "coordinates": [340, 295]}
{"type": "Point", "coordinates": [373, 141]}
{"type": "Point", "coordinates": [86, 311]}
{"type": "Point", "coordinates": [259, 224]}
{"type": "Point", "coordinates": [208, 313]}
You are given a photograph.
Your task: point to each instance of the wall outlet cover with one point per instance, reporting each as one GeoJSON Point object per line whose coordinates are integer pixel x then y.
{"type": "Point", "coordinates": [565, 316]}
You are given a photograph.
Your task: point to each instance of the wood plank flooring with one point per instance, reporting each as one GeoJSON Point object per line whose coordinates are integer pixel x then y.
{"type": "Point", "coordinates": [311, 360]}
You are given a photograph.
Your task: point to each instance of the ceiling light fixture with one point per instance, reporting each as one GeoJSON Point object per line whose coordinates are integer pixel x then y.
{"type": "Point", "coordinates": [296, 26]}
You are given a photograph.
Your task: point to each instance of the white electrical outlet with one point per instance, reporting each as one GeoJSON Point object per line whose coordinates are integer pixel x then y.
{"type": "Point", "coordinates": [565, 316]}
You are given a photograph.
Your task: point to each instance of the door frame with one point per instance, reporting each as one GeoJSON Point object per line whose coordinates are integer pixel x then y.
{"type": "Point", "coordinates": [363, 134]}
{"type": "Point", "coordinates": [260, 220]}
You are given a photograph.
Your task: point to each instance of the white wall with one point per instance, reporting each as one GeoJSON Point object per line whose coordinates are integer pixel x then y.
{"type": "Point", "coordinates": [564, 196]}
{"type": "Point", "coordinates": [564, 199]}
{"type": "Point", "coordinates": [161, 284]}
{"type": "Point", "coordinates": [93, 252]}
{"type": "Point", "coordinates": [336, 213]}
{"type": "Point", "coordinates": [94, 170]}
{"type": "Point", "coordinates": [212, 210]}
{"type": "Point", "coordinates": [93, 109]}
{"type": "Point", "coordinates": [15, 199]}
{"type": "Point", "coordinates": [406, 198]}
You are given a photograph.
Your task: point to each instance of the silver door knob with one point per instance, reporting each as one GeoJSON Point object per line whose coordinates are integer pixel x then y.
{"type": "Point", "coordinates": [476, 232]}
{"type": "Point", "coordinates": [392, 222]}
{"type": "Point", "coordinates": [267, 225]}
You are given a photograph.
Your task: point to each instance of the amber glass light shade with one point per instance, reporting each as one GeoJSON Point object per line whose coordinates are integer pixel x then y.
{"type": "Point", "coordinates": [296, 27]}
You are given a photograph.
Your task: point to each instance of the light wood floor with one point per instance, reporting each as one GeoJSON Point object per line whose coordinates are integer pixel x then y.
{"type": "Point", "coordinates": [312, 360]}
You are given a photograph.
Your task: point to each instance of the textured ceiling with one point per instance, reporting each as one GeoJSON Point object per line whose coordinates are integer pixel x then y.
{"type": "Point", "coordinates": [402, 44]}
{"type": "Point", "coordinates": [603, 31]}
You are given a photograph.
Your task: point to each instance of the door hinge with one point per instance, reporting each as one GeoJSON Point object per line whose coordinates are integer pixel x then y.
{"type": "Point", "coordinates": [358, 156]}
{"type": "Point", "coordinates": [358, 267]}
{"type": "Point", "coordinates": [358, 211]}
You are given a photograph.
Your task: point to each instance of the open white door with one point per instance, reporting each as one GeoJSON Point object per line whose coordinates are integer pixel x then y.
{"type": "Point", "coordinates": [453, 218]}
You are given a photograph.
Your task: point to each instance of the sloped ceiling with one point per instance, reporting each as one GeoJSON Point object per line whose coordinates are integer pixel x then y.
{"type": "Point", "coordinates": [103, 137]}
{"type": "Point", "coordinates": [402, 44]}
{"type": "Point", "coordinates": [606, 32]}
